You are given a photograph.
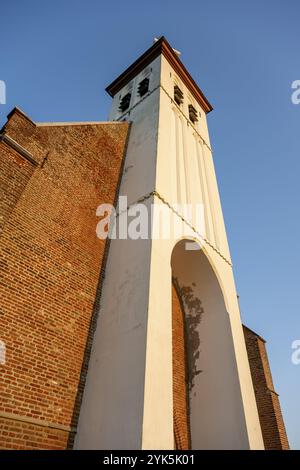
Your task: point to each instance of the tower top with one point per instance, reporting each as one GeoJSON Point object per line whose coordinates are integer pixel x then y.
{"type": "Point", "coordinates": [161, 46]}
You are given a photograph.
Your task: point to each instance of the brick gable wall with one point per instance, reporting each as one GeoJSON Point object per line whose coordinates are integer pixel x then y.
{"type": "Point", "coordinates": [50, 261]}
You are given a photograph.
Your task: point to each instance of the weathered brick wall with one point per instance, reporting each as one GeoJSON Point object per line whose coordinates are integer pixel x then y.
{"type": "Point", "coordinates": [14, 175]}
{"type": "Point", "coordinates": [50, 260]}
{"type": "Point", "coordinates": [180, 379]}
{"type": "Point", "coordinates": [270, 416]}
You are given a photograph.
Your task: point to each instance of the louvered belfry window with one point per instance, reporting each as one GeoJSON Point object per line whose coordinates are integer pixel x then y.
{"type": "Point", "coordinates": [193, 115]}
{"type": "Point", "coordinates": [125, 102]}
{"type": "Point", "coordinates": [143, 87]}
{"type": "Point", "coordinates": [178, 95]}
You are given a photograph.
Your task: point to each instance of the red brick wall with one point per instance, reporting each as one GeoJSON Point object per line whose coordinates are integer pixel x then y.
{"type": "Point", "coordinates": [50, 261]}
{"type": "Point", "coordinates": [180, 383]}
{"type": "Point", "coordinates": [15, 172]}
{"type": "Point", "coordinates": [270, 416]}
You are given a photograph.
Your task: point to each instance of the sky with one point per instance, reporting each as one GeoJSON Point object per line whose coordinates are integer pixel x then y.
{"type": "Point", "coordinates": [58, 56]}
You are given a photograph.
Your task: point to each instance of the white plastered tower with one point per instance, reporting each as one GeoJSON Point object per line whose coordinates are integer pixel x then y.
{"type": "Point", "coordinates": [127, 401]}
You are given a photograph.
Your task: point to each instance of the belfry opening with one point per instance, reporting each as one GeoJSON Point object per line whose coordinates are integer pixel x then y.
{"type": "Point", "coordinates": [180, 371]}
{"type": "Point", "coordinates": [134, 342]}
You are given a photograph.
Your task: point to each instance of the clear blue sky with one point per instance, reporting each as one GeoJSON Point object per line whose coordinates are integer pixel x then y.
{"type": "Point", "coordinates": [57, 57]}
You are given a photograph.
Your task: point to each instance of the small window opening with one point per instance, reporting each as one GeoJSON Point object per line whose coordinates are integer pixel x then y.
{"type": "Point", "coordinates": [125, 102]}
{"type": "Point", "coordinates": [178, 95]}
{"type": "Point", "coordinates": [143, 87]}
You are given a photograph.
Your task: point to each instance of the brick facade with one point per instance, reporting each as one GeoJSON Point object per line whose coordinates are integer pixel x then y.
{"type": "Point", "coordinates": [180, 378]}
{"type": "Point", "coordinates": [271, 421]}
{"type": "Point", "coordinates": [53, 177]}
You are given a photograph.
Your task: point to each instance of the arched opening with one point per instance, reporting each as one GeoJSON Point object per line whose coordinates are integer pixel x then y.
{"type": "Point", "coordinates": [213, 417]}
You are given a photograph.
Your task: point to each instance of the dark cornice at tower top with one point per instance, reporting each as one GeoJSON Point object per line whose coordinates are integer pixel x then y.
{"type": "Point", "coordinates": [161, 46]}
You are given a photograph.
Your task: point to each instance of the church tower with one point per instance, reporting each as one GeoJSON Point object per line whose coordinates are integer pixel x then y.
{"type": "Point", "coordinates": [168, 366]}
